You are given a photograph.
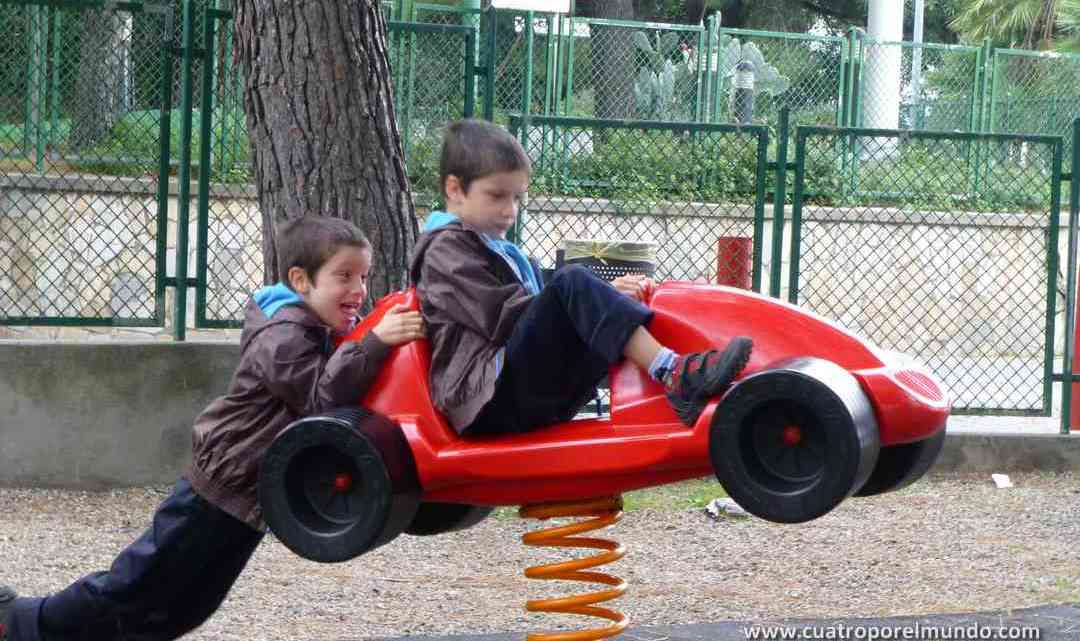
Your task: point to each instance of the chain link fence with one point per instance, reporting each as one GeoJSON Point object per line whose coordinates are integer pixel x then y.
{"type": "Point", "coordinates": [926, 260]}
{"type": "Point", "coordinates": [228, 250]}
{"type": "Point", "coordinates": [628, 70]}
{"type": "Point", "coordinates": [903, 85]}
{"type": "Point", "coordinates": [1034, 92]}
{"type": "Point", "coordinates": [82, 230]}
{"type": "Point", "coordinates": [683, 187]}
{"type": "Point", "coordinates": [803, 72]}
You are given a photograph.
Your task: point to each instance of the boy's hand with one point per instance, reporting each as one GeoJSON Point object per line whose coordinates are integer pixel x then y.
{"type": "Point", "coordinates": [399, 326]}
{"type": "Point", "coordinates": [636, 286]}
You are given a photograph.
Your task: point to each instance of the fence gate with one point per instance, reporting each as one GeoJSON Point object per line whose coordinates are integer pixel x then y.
{"type": "Point", "coordinates": [943, 246]}
{"type": "Point", "coordinates": [85, 99]}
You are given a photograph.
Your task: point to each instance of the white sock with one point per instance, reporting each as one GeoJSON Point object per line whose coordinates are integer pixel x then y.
{"type": "Point", "coordinates": [662, 364]}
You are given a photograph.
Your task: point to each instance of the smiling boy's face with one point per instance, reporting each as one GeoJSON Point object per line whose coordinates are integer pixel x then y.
{"type": "Point", "coordinates": [491, 203]}
{"type": "Point", "coordinates": [339, 286]}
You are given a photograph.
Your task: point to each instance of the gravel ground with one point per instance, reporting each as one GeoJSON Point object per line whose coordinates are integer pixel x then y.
{"type": "Point", "coordinates": [947, 544]}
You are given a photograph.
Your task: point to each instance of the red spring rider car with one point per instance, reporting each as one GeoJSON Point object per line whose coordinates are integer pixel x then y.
{"type": "Point", "coordinates": [817, 416]}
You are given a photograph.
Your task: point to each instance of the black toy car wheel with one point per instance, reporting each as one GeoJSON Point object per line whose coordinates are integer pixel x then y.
{"type": "Point", "coordinates": [901, 465]}
{"type": "Point", "coordinates": [333, 487]}
{"type": "Point", "coordinates": [439, 518]}
{"type": "Point", "coordinates": [792, 442]}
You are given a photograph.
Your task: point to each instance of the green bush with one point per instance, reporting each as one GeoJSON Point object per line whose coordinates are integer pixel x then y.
{"type": "Point", "coordinates": [638, 169]}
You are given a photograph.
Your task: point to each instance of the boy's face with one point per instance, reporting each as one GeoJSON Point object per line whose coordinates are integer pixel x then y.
{"type": "Point", "coordinates": [338, 289]}
{"type": "Point", "coordinates": [491, 203]}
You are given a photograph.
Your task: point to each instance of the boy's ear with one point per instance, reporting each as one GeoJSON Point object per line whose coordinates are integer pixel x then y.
{"type": "Point", "coordinates": [298, 280]}
{"type": "Point", "coordinates": [453, 187]}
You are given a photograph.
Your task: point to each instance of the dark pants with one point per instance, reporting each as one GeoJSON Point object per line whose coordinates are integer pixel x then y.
{"type": "Point", "coordinates": [165, 584]}
{"type": "Point", "coordinates": [561, 347]}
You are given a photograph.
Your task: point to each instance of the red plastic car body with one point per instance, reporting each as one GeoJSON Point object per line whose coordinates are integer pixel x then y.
{"type": "Point", "coordinates": [642, 443]}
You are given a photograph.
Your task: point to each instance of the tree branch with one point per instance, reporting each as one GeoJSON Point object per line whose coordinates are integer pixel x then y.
{"type": "Point", "coordinates": [830, 11]}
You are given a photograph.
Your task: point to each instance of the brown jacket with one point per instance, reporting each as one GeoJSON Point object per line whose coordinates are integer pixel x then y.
{"type": "Point", "coordinates": [287, 370]}
{"type": "Point", "coordinates": [470, 300]}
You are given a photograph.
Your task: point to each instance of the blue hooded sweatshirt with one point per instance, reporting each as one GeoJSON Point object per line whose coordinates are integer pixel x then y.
{"type": "Point", "coordinates": [273, 297]}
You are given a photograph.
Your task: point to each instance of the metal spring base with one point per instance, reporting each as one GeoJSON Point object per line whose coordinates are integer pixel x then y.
{"type": "Point", "coordinates": [605, 512]}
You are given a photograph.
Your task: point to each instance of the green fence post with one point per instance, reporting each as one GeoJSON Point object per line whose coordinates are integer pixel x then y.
{"type": "Point", "coordinates": [551, 64]}
{"type": "Point", "coordinates": [568, 106]}
{"type": "Point", "coordinates": [779, 198]}
{"type": "Point", "coordinates": [527, 90]}
{"type": "Point", "coordinates": [842, 81]}
{"type": "Point", "coordinates": [854, 74]}
{"type": "Point", "coordinates": [35, 75]}
{"type": "Point", "coordinates": [470, 17]}
{"type": "Point", "coordinates": [54, 89]}
{"type": "Point", "coordinates": [985, 99]}
{"type": "Point", "coordinates": [762, 175]}
{"type": "Point", "coordinates": [1052, 261]}
{"type": "Point", "coordinates": [184, 176]}
{"type": "Point", "coordinates": [796, 215]}
{"type": "Point", "coordinates": [164, 135]}
{"type": "Point", "coordinates": [702, 49]}
{"type": "Point", "coordinates": [489, 64]}
{"type": "Point", "coordinates": [471, 38]}
{"type": "Point", "coordinates": [205, 145]}
{"type": "Point", "coordinates": [711, 40]}
{"type": "Point", "coordinates": [1070, 285]}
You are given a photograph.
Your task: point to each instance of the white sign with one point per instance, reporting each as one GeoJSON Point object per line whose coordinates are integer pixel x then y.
{"type": "Point", "coordinates": [547, 6]}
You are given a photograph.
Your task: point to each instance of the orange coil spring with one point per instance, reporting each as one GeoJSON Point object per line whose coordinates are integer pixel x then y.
{"type": "Point", "coordinates": [606, 511]}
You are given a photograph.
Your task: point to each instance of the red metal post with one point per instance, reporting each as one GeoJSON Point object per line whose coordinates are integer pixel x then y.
{"type": "Point", "coordinates": [733, 256]}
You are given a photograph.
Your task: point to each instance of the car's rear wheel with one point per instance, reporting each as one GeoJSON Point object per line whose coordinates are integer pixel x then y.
{"type": "Point", "coordinates": [439, 518]}
{"type": "Point", "coordinates": [792, 442]}
{"type": "Point", "coordinates": [333, 487]}
{"type": "Point", "coordinates": [901, 465]}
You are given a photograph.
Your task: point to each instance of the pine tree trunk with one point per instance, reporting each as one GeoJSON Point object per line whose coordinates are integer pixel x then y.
{"type": "Point", "coordinates": [612, 57]}
{"type": "Point", "coordinates": [320, 116]}
{"type": "Point", "coordinates": [103, 84]}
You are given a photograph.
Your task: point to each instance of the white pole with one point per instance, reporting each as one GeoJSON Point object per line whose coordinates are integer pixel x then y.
{"type": "Point", "coordinates": [881, 98]}
{"type": "Point", "coordinates": [916, 56]}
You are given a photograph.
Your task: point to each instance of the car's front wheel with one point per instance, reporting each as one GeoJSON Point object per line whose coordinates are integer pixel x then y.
{"type": "Point", "coordinates": [791, 442]}
{"type": "Point", "coordinates": [333, 487]}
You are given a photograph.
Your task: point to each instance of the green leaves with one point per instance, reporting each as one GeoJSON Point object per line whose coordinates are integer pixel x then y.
{"type": "Point", "coordinates": [655, 94]}
{"type": "Point", "coordinates": [767, 78]}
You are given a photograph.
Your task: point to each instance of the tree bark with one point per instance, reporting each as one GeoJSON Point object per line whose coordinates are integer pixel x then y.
{"type": "Point", "coordinates": [612, 57]}
{"type": "Point", "coordinates": [104, 81]}
{"type": "Point", "coordinates": [320, 116]}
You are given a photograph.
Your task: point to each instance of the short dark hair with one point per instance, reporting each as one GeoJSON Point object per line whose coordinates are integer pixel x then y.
{"type": "Point", "coordinates": [476, 148]}
{"type": "Point", "coordinates": [309, 241]}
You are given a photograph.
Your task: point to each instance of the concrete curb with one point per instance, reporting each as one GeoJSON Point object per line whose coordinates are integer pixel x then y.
{"type": "Point", "coordinates": [1009, 453]}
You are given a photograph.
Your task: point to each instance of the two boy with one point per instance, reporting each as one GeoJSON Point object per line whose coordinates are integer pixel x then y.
{"type": "Point", "coordinates": [508, 355]}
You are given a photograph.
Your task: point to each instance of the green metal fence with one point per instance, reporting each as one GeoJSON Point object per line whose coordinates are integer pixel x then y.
{"type": "Point", "coordinates": [962, 274]}
{"type": "Point", "coordinates": [684, 187]}
{"type": "Point", "coordinates": [84, 110]}
{"type": "Point", "coordinates": [939, 85]}
{"type": "Point", "coordinates": [803, 72]}
{"type": "Point", "coordinates": [1034, 92]}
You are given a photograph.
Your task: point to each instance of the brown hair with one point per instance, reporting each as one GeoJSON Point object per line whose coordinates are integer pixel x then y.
{"type": "Point", "coordinates": [308, 242]}
{"type": "Point", "coordinates": [476, 148]}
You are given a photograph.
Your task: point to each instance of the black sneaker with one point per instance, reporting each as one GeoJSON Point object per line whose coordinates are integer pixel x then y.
{"type": "Point", "coordinates": [7, 603]}
{"type": "Point", "coordinates": [697, 377]}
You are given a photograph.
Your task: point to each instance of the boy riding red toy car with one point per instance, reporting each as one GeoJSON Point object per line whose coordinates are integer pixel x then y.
{"type": "Point", "coordinates": [818, 415]}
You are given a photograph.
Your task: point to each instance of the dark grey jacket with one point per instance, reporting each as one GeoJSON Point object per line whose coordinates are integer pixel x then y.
{"type": "Point", "coordinates": [471, 300]}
